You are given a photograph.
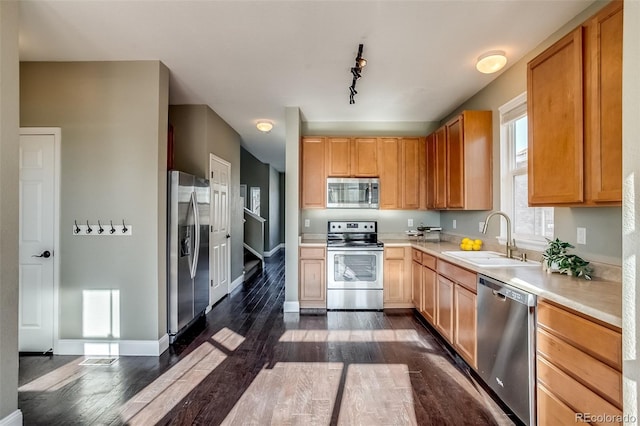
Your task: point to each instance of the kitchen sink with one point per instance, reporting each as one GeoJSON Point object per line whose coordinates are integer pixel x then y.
{"type": "Point", "coordinates": [488, 259]}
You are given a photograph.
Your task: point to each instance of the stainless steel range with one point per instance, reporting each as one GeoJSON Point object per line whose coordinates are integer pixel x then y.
{"type": "Point", "coordinates": [354, 266]}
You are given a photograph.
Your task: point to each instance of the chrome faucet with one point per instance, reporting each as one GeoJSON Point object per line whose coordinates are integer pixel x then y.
{"type": "Point", "coordinates": [511, 245]}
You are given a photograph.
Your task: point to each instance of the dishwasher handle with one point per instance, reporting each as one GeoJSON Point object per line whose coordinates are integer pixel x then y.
{"type": "Point", "coordinates": [504, 291]}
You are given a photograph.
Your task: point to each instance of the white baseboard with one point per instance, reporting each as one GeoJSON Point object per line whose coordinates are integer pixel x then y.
{"type": "Point", "coordinates": [13, 419]}
{"type": "Point", "coordinates": [235, 283]}
{"type": "Point", "coordinates": [273, 250]}
{"type": "Point", "coordinates": [291, 306]}
{"type": "Point", "coordinates": [113, 347]}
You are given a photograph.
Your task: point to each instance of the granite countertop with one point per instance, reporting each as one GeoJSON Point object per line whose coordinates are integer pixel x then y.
{"type": "Point", "coordinates": [598, 298]}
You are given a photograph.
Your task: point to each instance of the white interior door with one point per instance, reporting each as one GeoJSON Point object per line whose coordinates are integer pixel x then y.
{"type": "Point", "coordinates": [220, 238]}
{"type": "Point", "coordinates": [37, 238]}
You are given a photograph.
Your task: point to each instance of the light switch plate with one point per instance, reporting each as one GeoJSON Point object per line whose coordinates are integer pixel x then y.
{"type": "Point", "coordinates": [581, 236]}
{"type": "Point", "coordinates": [410, 222]}
{"type": "Point", "coordinates": [480, 226]}
{"type": "Point", "coordinates": [307, 223]}
{"type": "Point", "coordinates": [453, 225]}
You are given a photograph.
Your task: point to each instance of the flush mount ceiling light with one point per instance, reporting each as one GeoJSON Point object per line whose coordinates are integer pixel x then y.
{"type": "Point", "coordinates": [264, 126]}
{"type": "Point", "coordinates": [491, 62]}
{"type": "Point", "coordinates": [357, 73]}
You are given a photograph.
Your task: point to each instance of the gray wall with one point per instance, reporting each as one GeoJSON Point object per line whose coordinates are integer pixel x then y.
{"type": "Point", "coordinates": [292, 207]}
{"type": "Point", "coordinates": [631, 241]}
{"type": "Point", "coordinates": [604, 225]}
{"type": "Point", "coordinates": [255, 173]}
{"type": "Point", "coordinates": [9, 99]}
{"type": "Point", "coordinates": [274, 210]}
{"type": "Point", "coordinates": [389, 221]}
{"type": "Point", "coordinates": [198, 132]}
{"type": "Point", "coordinates": [283, 197]}
{"type": "Point", "coordinates": [113, 117]}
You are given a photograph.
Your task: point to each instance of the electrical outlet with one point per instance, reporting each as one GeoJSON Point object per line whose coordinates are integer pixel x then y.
{"type": "Point", "coordinates": [581, 236]}
{"type": "Point", "coordinates": [307, 223]}
{"type": "Point", "coordinates": [480, 226]}
{"type": "Point", "coordinates": [410, 223]}
{"type": "Point", "coordinates": [453, 225]}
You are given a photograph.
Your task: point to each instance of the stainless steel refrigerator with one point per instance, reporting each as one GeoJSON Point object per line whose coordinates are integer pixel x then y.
{"type": "Point", "coordinates": [188, 250]}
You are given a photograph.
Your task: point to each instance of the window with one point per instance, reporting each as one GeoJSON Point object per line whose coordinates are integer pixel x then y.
{"type": "Point", "coordinates": [531, 225]}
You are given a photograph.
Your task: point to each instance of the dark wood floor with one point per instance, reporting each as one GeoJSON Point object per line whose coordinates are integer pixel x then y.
{"type": "Point", "coordinates": [249, 363]}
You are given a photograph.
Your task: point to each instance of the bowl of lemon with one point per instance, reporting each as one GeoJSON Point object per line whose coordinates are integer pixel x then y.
{"type": "Point", "coordinates": [468, 244]}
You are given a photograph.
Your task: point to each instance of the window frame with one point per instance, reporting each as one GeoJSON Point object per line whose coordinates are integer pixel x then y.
{"type": "Point", "coordinates": [509, 112]}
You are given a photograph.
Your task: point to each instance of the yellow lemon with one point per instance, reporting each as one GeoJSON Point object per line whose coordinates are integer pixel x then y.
{"type": "Point", "coordinates": [477, 247]}
{"type": "Point", "coordinates": [462, 246]}
{"type": "Point", "coordinates": [478, 242]}
{"type": "Point", "coordinates": [465, 240]}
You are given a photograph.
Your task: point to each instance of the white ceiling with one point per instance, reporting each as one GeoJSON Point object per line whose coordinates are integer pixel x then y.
{"type": "Point", "coordinates": [248, 60]}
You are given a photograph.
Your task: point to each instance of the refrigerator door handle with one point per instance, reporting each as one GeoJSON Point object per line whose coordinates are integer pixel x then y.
{"type": "Point", "coordinates": [196, 247]}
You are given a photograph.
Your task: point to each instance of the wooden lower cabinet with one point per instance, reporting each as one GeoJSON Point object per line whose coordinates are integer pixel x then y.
{"type": "Point", "coordinates": [579, 364]}
{"type": "Point", "coordinates": [397, 277]}
{"type": "Point", "coordinates": [429, 281]}
{"type": "Point", "coordinates": [444, 307]}
{"type": "Point", "coordinates": [312, 278]}
{"type": "Point", "coordinates": [417, 296]}
{"type": "Point", "coordinates": [465, 324]}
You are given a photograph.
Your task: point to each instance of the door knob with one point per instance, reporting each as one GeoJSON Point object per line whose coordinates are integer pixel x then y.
{"type": "Point", "coordinates": [46, 254]}
{"type": "Point", "coordinates": [228, 236]}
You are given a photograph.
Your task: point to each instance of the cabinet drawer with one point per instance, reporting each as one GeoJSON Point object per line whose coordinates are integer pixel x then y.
{"type": "Point", "coordinates": [416, 255]}
{"type": "Point", "coordinates": [577, 396]}
{"type": "Point", "coordinates": [429, 261]}
{"type": "Point", "coordinates": [394, 253]}
{"type": "Point", "coordinates": [312, 252]}
{"type": "Point", "coordinates": [552, 411]}
{"type": "Point", "coordinates": [603, 379]}
{"type": "Point", "coordinates": [461, 276]}
{"type": "Point", "coordinates": [600, 342]}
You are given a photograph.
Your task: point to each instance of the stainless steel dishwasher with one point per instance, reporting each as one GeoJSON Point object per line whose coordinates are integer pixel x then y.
{"type": "Point", "coordinates": [506, 345]}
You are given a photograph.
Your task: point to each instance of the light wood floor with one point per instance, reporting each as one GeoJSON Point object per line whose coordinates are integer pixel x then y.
{"type": "Point", "coordinates": [251, 364]}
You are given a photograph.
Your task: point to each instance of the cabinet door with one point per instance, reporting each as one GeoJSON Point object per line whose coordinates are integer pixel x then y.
{"type": "Point", "coordinates": [444, 308]}
{"type": "Point", "coordinates": [429, 285]}
{"type": "Point", "coordinates": [555, 114]}
{"type": "Point", "coordinates": [313, 185]}
{"type": "Point", "coordinates": [430, 183]}
{"type": "Point", "coordinates": [410, 173]}
{"type": "Point", "coordinates": [416, 287]}
{"type": "Point", "coordinates": [338, 157]}
{"type": "Point", "coordinates": [389, 163]}
{"type": "Point", "coordinates": [440, 201]}
{"type": "Point", "coordinates": [603, 115]}
{"type": "Point", "coordinates": [364, 159]}
{"type": "Point", "coordinates": [422, 173]}
{"type": "Point", "coordinates": [455, 163]}
{"type": "Point", "coordinates": [394, 278]}
{"type": "Point", "coordinates": [465, 334]}
{"type": "Point", "coordinates": [312, 280]}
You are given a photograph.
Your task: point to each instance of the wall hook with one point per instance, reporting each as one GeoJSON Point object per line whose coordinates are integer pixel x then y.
{"type": "Point", "coordinates": [89, 230]}
{"type": "Point", "coordinates": [112, 230]}
{"type": "Point", "coordinates": [124, 227]}
{"type": "Point", "coordinates": [100, 228]}
{"type": "Point", "coordinates": [77, 228]}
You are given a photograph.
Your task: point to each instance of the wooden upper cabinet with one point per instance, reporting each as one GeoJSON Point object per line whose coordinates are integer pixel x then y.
{"type": "Point", "coordinates": [440, 164]}
{"type": "Point", "coordinates": [455, 163]}
{"type": "Point", "coordinates": [338, 157]}
{"type": "Point", "coordinates": [603, 112]}
{"type": "Point", "coordinates": [312, 172]}
{"type": "Point", "coordinates": [357, 157]}
{"type": "Point", "coordinates": [364, 159]}
{"type": "Point", "coordinates": [389, 156]}
{"type": "Point", "coordinates": [410, 172]}
{"type": "Point", "coordinates": [555, 152]}
{"type": "Point", "coordinates": [459, 163]}
{"type": "Point", "coordinates": [574, 91]}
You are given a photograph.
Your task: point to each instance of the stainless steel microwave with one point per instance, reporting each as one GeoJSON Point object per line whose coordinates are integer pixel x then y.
{"type": "Point", "coordinates": [353, 193]}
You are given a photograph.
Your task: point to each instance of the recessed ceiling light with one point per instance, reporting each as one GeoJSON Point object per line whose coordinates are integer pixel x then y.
{"type": "Point", "coordinates": [491, 62]}
{"type": "Point", "coordinates": [264, 126]}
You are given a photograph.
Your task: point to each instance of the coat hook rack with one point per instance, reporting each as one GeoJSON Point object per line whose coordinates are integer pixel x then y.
{"type": "Point", "coordinates": [88, 228]}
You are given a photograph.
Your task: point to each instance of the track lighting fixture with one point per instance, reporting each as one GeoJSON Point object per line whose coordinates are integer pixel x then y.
{"type": "Point", "coordinates": [357, 73]}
